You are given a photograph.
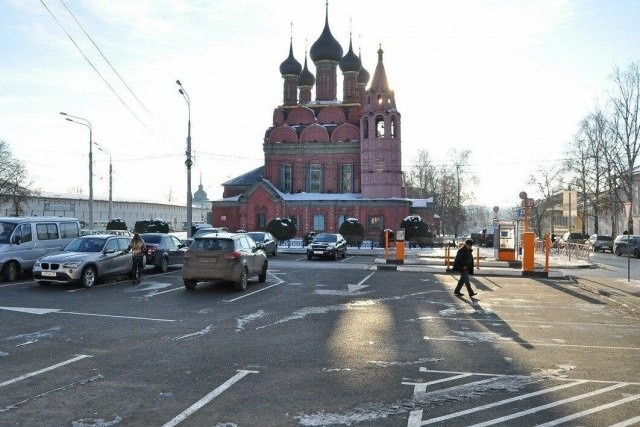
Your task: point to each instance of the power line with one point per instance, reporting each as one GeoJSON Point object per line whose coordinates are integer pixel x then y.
{"type": "Point", "coordinates": [98, 72]}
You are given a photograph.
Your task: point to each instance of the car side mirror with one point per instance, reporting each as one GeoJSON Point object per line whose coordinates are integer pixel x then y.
{"type": "Point", "coordinates": [109, 251]}
{"type": "Point", "coordinates": [260, 245]}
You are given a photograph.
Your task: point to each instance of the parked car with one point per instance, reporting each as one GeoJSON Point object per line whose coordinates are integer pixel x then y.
{"type": "Point", "coordinates": [627, 244]}
{"type": "Point", "coordinates": [87, 260]}
{"type": "Point", "coordinates": [601, 243]}
{"type": "Point", "coordinates": [163, 250]}
{"type": "Point", "coordinates": [125, 233]}
{"type": "Point", "coordinates": [327, 245]}
{"type": "Point", "coordinates": [577, 238]}
{"type": "Point", "coordinates": [25, 239]}
{"type": "Point", "coordinates": [231, 257]}
{"type": "Point", "coordinates": [204, 229]}
{"type": "Point", "coordinates": [269, 243]}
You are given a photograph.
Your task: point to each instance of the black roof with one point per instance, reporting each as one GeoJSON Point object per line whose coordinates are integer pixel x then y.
{"type": "Point", "coordinates": [248, 178]}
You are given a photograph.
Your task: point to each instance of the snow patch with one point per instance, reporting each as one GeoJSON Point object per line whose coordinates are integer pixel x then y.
{"type": "Point", "coordinates": [384, 364]}
{"type": "Point", "coordinates": [34, 336]}
{"type": "Point", "coordinates": [96, 422]}
{"type": "Point", "coordinates": [196, 334]}
{"type": "Point", "coordinates": [241, 321]}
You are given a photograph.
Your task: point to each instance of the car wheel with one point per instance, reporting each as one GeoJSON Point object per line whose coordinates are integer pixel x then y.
{"type": "Point", "coordinates": [309, 256]}
{"type": "Point", "coordinates": [335, 256]}
{"type": "Point", "coordinates": [262, 277]}
{"type": "Point", "coordinates": [618, 252]}
{"type": "Point", "coordinates": [88, 277]}
{"type": "Point", "coordinates": [241, 284]}
{"type": "Point", "coordinates": [164, 265]}
{"type": "Point", "coordinates": [275, 251]}
{"type": "Point", "coordinates": [190, 284]}
{"type": "Point", "coordinates": [344, 254]}
{"type": "Point", "coordinates": [11, 271]}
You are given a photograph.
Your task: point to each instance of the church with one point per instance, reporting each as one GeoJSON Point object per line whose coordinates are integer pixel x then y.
{"type": "Point", "coordinates": [325, 159]}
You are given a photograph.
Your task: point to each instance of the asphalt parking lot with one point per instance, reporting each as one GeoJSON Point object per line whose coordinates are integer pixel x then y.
{"type": "Point", "coordinates": [319, 343]}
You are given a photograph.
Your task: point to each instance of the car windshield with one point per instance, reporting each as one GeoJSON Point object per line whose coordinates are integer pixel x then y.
{"type": "Point", "coordinates": [325, 238]}
{"type": "Point", "coordinates": [212, 244]}
{"type": "Point", "coordinates": [258, 237]}
{"type": "Point", "coordinates": [607, 238]}
{"type": "Point", "coordinates": [6, 228]}
{"type": "Point", "coordinates": [91, 244]}
{"type": "Point", "coordinates": [201, 231]}
{"type": "Point", "coordinates": [151, 238]}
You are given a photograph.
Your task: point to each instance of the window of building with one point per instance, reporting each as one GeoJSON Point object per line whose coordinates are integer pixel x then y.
{"type": "Point", "coordinates": [375, 223]}
{"type": "Point", "coordinates": [346, 178]}
{"type": "Point", "coordinates": [318, 222]}
{"type": "Point", "coordinates": [379, 127]}
{"type": "Point", "coordinates": [262, 220]}
{"type": "Point", "coordinates": [285, 177]}
{"type": "Point", "coordinates": [393, 127]}
{"type": "Point", "coordinates": [296, 221]}
{"type": "Point", "coordinates": [314, 178]}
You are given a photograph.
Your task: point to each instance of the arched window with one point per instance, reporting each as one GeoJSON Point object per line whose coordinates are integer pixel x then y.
{"type": "Point", "coordinates": [393, 127]}
{"type": "Point", "coordinates": [379, 127]}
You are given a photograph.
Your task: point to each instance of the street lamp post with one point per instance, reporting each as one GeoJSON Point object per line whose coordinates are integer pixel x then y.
{"type": "Point", "coordinates": [188, 162]}
{"type": "Point", "coordinates": [86, 123]}
{"type": "Point", "coordinates": [105, 151]}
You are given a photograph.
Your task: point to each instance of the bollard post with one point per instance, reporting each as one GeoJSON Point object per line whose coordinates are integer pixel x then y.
{"type": "Point", "coordinates": [478, 258]}
{"type": "Point", "coordinates": [386, 244]}
{"type": "Point", "coordinates": [547, 249]}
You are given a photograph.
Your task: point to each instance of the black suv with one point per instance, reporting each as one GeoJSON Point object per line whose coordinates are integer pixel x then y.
{"type": "Point", "coordinates": [327, 245]}
{"type": "Point", "coordinates": [601, 243]}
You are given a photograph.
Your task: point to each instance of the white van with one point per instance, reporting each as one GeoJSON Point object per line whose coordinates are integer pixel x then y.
{"type": "Point", "coordinates": [25, 239]}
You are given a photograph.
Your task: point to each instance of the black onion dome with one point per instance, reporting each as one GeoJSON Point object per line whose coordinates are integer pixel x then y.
{"type": "Point", "coordinates": [363, 76]}
{"type": "Point", "coordinates": [306, 77]}
{"type": "Point", "coordinates": [350, 62]}
{"type": "Point", "coordinates": [290, 65]}
{"type": "Point", "coordinates": [326, 48]}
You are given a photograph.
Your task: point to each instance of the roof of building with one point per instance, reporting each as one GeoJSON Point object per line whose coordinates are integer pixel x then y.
{"type": "Point", "coordinates": [290, 65]}
{"type": "Point", "coordinates": [351, 61]}
{"type": "Point", "coordinates": [326, 48]}
{"type": "Point", "coordinates": [248, 178]}
{"type": "Point", "coordinates": [306, 77]}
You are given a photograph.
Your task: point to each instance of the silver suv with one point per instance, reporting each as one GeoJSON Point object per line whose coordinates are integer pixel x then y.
{"type": "Point", "coordinates": [233, 257]}
{"type": "Point", "coordinates": [86, 259]}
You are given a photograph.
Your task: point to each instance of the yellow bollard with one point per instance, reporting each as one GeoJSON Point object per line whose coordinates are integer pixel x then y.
{"type": "Point", "coordinates": [478, 258]}
{"type": "Point", "coordinates": [547, 249]}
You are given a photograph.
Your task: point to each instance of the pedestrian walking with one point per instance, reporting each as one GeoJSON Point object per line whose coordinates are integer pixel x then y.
{"type": "Point", "coordinates": [137, 248]}
{"type": "Point", "coordinates": [463, 263]}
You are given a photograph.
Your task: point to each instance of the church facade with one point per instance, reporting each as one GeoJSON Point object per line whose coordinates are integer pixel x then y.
{"type": "Point", "coordinates": [325, 159]}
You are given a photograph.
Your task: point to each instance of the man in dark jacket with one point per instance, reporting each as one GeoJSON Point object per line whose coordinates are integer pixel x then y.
{"type": "Point", "coordinates": [464, 264]}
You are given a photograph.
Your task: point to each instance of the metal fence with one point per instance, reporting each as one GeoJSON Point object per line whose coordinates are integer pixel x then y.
{"type": "Point", "coordinates": [569, 250]}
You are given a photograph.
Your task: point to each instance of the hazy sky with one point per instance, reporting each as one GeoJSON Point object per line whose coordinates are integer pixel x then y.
{"type": "Point", "coordinates": [507, 80]}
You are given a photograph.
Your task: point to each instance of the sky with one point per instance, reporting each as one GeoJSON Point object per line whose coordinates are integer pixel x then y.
{"type": "Point", "coordinates": [508, 80]}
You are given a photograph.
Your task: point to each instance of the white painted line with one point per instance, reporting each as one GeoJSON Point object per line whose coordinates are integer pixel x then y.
{"type": "Point", "coordinates": [501, 402]}
{"type": "Point", "coordinates": [533, 343]}
{"type": "Point", "coordinates": [301, 259]}
{"type": "Point", "coordinates": [259, 290]}
{"type": "Point", "coordinates": [590, 411]}
{"type": "Point", "coordinates": [359, 285]}
{"type": "Point", "coordinates": [422, 387]}
{"type": "Point", "coordinates": [16, 284]}
{"type": "Point", "coordinates": [415, 418]}
{"type": "Point", "coordinates": [117, 282]}
{"type": "Point", "coordinates": [162, 292]}
{"type": "Point", "coordinates": [422, 369]}
{"type": "Point", "coordinates": [629, 422]}
{"type": "Point", "coordinates": [32, 310]}
{"type": "Point", "coordinates": [116, 317]}
{"type": "Point", "coordinates": [344, 259]}
{"type": "Point", "coordinates": [549, 405]}
{"type": "Point", "coordinates": [41, 371]}
{"type": "Point", "coordinates": [208, 398]}
{"type": "Point", "coordinates": [540, 322]}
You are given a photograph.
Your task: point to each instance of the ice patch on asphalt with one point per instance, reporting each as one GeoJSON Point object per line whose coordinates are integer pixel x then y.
{"type": "Point", "coordinates": [196, 334]}
{"type": "Point", "coordinates": [242, 321]}
{"type": "Point", "coordinates": [148, 286]}
{"type": "Point", "coordinates": [34, 336]}
{"type": "Point", "coordinates": [96, 422]}
{"type": "Point", "coordinates": [3, 354]}
{"type": "Point", "coordinates": [385, 364]}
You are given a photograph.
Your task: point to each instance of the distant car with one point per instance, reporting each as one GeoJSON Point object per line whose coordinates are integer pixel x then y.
{"type": "Point", "coordinates": [87, 260]}
{"type": "Point", "coordinates": [576, 238]}
{"type": "Point", "coordinates": [627, 244]}
{"type": "Point", "coordinates": [231, 257]}
{"type": "Point", "coordinates": [163, 250]}
{"type": "Point", "coordinates": [267, 240]}
{"type": "Point", "coordinates": [601, 243]}
{"type": "Point", "coordinates": [119, 233]}
{"type": "Point", "coordinates": [327, 245]}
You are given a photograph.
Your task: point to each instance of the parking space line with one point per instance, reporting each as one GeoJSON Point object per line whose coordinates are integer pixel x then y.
{"type": "Point", "coordinates": [259, 290]}
{"type": "Point", "coordinates": [629, 422]}
{"type": "Point", "coordinates": [116, 316]}
{"type": "Point", "coordinates": [535, 322]}
{"type": "Point", "coordinates": [41, 371]}
{"type": "Point", "coordinates": [208, 398]}
{"type": "Point", "coordinates": [590, 411]}
{"type": "Point", "coordinates": [508, 340]}
{"type": "Point", "coordinates": [163, 292]}
{"type": "Point", "coordinates": [549, 405]}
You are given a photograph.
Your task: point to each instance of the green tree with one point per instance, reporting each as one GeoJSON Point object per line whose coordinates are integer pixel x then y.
{"type": "Point", "coordinates": [352, 231]}
{"type": "Point", "coordinates": [416, 231]}
{"type": "Point", "coordinates": [282, 228]}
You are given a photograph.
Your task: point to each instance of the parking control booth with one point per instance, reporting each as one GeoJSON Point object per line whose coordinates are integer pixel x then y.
{"type": "Point", "coordinates": [505, 241]}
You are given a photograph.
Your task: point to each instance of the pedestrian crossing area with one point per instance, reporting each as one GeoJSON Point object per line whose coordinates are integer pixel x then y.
{"type": "Point", "coordinates": [542, 399]}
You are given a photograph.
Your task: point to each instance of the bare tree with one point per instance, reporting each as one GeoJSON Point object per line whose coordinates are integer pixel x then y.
{"type": "Point", "coordinates": [548, 182]}
{"type": "Point", "coordinates": [625, 125]}
{"type": "Point", "coordinates": [14, 184]}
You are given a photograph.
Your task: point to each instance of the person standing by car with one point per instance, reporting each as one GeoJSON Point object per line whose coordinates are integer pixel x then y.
{"type": "Point", "coordinates": [137, 248]}
{"type": "Point", "coordinates": [464, 264]}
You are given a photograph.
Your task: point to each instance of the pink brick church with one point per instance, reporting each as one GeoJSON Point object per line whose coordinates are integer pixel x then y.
{"type": "Point", "coordinates": [326, 159]}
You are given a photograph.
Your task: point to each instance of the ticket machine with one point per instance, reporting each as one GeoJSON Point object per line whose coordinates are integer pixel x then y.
{"type": "Point", "coordinates": [505, 241]}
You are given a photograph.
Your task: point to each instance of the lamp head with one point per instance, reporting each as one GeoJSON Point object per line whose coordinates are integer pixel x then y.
{"type": "Point", "coordinates": [68, 119]}
{"type": "Point", "coordinates": [64, 114]}
{"type": "Point", "coordinates": [178, 82]}
{"type": "Point", "coordinates": [181, 91]}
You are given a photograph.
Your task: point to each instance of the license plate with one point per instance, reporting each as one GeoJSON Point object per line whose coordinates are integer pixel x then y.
{"type": "Point", "coordinates": [49, 274]}
{"type": "Point", "coordinates": [209, 260]}
{"type": "Point", "coordinates": [318, 252]}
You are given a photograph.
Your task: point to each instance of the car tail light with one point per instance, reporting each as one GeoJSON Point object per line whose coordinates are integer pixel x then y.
{"type": "Point", "coordinates": [233, 256]}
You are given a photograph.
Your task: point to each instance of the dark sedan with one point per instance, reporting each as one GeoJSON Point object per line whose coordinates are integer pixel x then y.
{"type": "Point", "coordinates": [268, 242]}
{"type": "Point", "coordinates": [327, 245]}
{"type": "Point", "coordinates": [163, 250]}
